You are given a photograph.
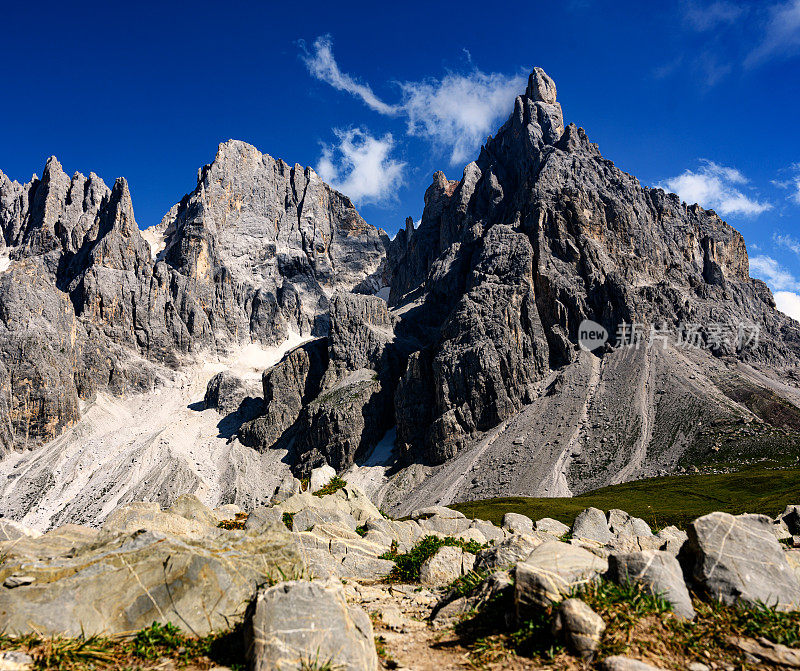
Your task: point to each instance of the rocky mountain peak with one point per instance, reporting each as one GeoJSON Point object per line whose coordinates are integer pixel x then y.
{"type": "Point", "coordinates": [541, 88]}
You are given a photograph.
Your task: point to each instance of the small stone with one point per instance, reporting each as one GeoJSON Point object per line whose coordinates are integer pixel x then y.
{"type": "Point", "coordinates": [620, 663]}
{"type": "Point", "coordinates": [18, 581]}
{"type": "Point", "coordinates": [516, 523]}
{"type": "Point", "coordinates": [580, 626]}
{"type": "Point", "coordinates": [14, 660]}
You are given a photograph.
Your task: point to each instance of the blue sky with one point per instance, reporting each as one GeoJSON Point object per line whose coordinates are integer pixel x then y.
{"type": "Point", "coordinates": [700, 97]}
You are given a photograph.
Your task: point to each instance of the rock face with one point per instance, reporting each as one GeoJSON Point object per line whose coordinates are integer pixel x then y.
{"type": "Point", "coordinates": [308, 625]}
{"type": "Point", "coordinates": [250, 255]}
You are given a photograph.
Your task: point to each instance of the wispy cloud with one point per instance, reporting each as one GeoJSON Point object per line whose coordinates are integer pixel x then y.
{"type": "Point", "coordinates": [781, 36]}
{"type": "Point", "coordinates": [360, 166]}
{"type": "Point", "coordinates": [717, 187]}
{"type": "Point", "coordinates": [773, 273]}
{"type": "Point", "coordinates": [792, 183]}
{"type": "Point", "coordinates": [322, 65]}
{"type": "Point", "coordinates": [702, 16]}
{"type": "Point", "coordinates": [455, 113]}
{"type": "Point", "coordinates": [788, 242]}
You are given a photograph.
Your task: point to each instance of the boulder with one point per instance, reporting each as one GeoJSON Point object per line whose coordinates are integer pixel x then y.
{"type": "Point", "coordinates": [550, 526]}
{"type": "Point", "coordinates": [149, 517]}
{"type": "Point", "coordinates": [488, 530]}
{"type": "Point", "coordinates": [621, 523]}
{"type": "Point", "coordinates": [579, 626]}
{"type": "Point", "coordinates": [518, 524]}
{"type": "Point", "coordinates": [404, 533]}
{"type": "Point", "coordinates": [551, 572]}
{"type": "Point", "coordinates": [768, 652]}
{"type": "Point", "coordinates": [320, 477]}
{"type": "Point", "coordinates": [790, 517]}
{"type": "Point", "coordinates": [660, 572]}
{"type": "Point", "coordinates": [443, 567]}
{"type": "Point", "coordinates": [287, 488]}
{"type": "Point", "coordinates": [733, 559]}
{"type": "Point", "coordinates": [471, 534]}
{"type": "Point", "coordinates": [591, 524]}
{"type": "Point", "coordinates": [301, 624]}
{"type": "Point", "coordinates": [190, 507]}
{"type": "Point", "coordinates": [445, 526]}
{"type": "Point", "coordinates": [441, 511]}
{"type": "Point", "coordinates": [620, 663]}
{"type": "Point", "coordinates": [331, 551]}
{"type": "Point", "coordinates": [310, 517]}
{"type": "Point", "coordinates": [263, 516]}
{"type": "Point", "coordinates": [508, 552]}
{"type": "Point", "coordinates": [226, 392]}
{"type": "Point", "coordinates": [131, 580]}
{"type": "Point", "coordinates": [671, 539]}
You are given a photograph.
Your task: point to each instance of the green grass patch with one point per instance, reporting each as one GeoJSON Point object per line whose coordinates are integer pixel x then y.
{"type": "Point", "coordinates": [333, 486]}
{"type": "Point", "coordinates": [407, 564]}
{"type": "Point", "coordinates": [288, 520]}
{"type": "Point", "coordinates": [156, 642]}
{"type": "Point", "coordinates": [237, 523]}
{"type": "Point", "coordinates": [660, 501]}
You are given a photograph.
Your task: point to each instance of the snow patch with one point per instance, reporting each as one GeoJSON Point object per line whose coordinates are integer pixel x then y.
{"type": "Point", "coordinates": [5, 261]}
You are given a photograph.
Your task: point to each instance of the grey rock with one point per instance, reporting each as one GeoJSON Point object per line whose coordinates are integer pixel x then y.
{"type": "Point", "coordinates": [550, 526]}
{"type": "Point", "coordinates": [127, 581]}
{"type": "Point", "coordinates": [621, 663]}
{"type": "Point", "coordinates": [440, 511]}
{"type": "Point", "coordinates": [734, 559]}
{"type": "Point", "coordinates": [443, 567]}
{"type": "Point", "coordinates": [287, 488]}
{"type": "Point", "coordinates": [551, 572]}
{"type": "Point", "coordinates": [298, 622]}
{"type": "Point", "coordinates": [308, 518]}
{"type": "Point", "coordinates": [580, 626]}
{"type": "Point", "coordinates": [517, 523]}
{"type": "Point", "coordinates": [659, 572]}
{"type": "Point", "coordinates": [591, 524]}
{"type": "Point", "coordinates": [671, 539]}
{"type": "Point", "coordinates": [226, 392]}
{"type": "Point", "coordinates": [509, 551]}
{"type": "Point", "coordinates": [320, 477]}
{"type": "Point", "coordinates": [15, 660]}
{"type": "Point", "coordinates": [263, 516]}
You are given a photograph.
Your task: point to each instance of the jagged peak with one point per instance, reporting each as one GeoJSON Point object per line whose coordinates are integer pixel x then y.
{"type": "Point", "coordinates": [541, 87]}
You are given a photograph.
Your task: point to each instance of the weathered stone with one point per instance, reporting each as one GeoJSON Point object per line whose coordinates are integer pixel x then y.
{"type": "Point", "coordinates": [190, 507]}
{"type": "Point", "coordinates": [11, 531]}
{"type": "Point", "coordinates": [296, 623]}
{"type": "Point", "coordinates": [550, 526]}
{"type": "Point", "coordinates": [620, 663]}
{"type": "Point", "coordinates": [768, 651]}
{"type": "Point", "coordinates": [552, 571]}
{"type": "Point", "coordinates": [14, 660]}
{"type": "Point", "coordinates": [439, 511]}
{"type": "Point", "coordinates": [591, 524]}
{"type": "Point", "coordinates": [671, 539]}
{"type": "Point", "coordinates": [443, 567]}
{"type": "Point", "coordinates": [131, 580]}
{"type": "Point", "coordinates": [263, 516]}
{"type": "Point", "coordinates": [287, 488]}
{"type": "Point", "coordinates": [320, 477]}
{"type": "Point", "coordinates": [660, 572]}
{"type": "Point", "coordinates": [516, 523]}
{"type": "Point", "coordinates": [306, 519]}
{"type": "Point", "coordinates": [149, 517]}
{"type": "Point", "coordinates": [733, 559]}
{"type": "Point", "coordinates": [226, 392]}
{"type": "Point", "coordinates": [580, 626]}
{"type": "Point", "coordinates": [509, 551]}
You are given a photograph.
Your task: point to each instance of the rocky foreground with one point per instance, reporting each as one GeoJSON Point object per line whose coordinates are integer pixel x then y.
{"type": "Point", "coordinates": [321, 579]}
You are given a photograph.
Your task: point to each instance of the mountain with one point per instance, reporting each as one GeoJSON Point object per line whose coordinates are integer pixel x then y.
{"type": "Point", "coordinates": [477, 355]}
{"type": "Point", "coordinates": [264, 326]}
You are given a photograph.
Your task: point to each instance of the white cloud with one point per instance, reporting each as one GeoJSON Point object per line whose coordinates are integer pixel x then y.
{"type": "Point", "coordinates": [360, 166]}
{"type": "Point", "coordinates": [459, 111]}
{"type": "Point", "coordinates": [707, 17]}
{"type": "Point", "coordinates": [715, 186]}
{"type": "Point", "coordinates": [781, 36]}
{"type": "Point", "coordinates": [456, 112]}
{"type": "Point", "coordinates": [322, 65]}
{"type": "Point", "coordinates": [793, 183]}
{"type": "Point", "coordinates": [787, 241]}
{"type": "Point", "coordinates": [788, 303]}
{"type": "Point", "coordinates": [773, 273]}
